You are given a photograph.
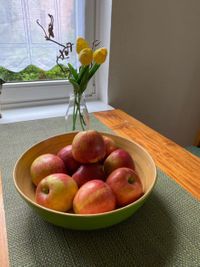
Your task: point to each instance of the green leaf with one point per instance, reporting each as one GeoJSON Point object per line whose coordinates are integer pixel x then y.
{"type": "Point", "coordinates": [73, 71]}
{"type": "Point", "coordinates": [93, 70]}
{"type": "Point", "coordinates": [75, 85]}
{"type": "Point", "coordinates": [81, 73]}
{"type": "Point", "coordinates": [84, 80]}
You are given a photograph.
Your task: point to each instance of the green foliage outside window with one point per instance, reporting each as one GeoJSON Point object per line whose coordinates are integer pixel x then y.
{"type": "Point", "coordinates": [33, 73]}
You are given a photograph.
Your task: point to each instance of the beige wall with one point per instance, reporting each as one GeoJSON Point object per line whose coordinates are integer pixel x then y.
{"type": "Point", "coordinates": [155, 64]}
{"type": "Point", "coordinates": [103, 29]}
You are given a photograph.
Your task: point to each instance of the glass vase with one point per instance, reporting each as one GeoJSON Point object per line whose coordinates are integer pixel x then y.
{"type": "Point", "coordinates": [77, 116]}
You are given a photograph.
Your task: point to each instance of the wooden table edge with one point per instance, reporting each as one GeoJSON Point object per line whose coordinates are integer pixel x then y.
{"type": "Point", "coordinates": [126, 126]}
{"type": "Point", "coordinates": [4, 257]}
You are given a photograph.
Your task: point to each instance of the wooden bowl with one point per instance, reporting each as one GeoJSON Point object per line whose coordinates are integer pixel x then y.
{"type": "Point", "coordinates": [145, 167]}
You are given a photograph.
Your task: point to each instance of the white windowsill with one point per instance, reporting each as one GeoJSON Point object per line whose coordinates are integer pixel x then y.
{"type": "Point", "coordinates": [48, 111]}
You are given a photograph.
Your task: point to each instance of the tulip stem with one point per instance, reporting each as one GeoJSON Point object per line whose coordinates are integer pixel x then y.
{"type": "Point", "coordinates": [77, 112]}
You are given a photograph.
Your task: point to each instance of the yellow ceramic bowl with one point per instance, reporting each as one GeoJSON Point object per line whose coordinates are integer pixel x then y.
{"type": "Point", "coordinates": [145, 167]}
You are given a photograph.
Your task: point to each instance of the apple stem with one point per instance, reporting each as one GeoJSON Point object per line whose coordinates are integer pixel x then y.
{"type": "Point", "coordinates": [131, 180]}
{"type": "Point", "coordinates": [45, 190]}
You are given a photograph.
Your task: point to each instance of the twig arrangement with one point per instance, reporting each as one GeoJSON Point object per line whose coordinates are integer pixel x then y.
{"type": "Point", "coordinates": [66, 48]}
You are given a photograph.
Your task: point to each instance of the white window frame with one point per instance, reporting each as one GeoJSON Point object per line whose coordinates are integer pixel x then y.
{"type": "Point", "coordinates": [22, 94]}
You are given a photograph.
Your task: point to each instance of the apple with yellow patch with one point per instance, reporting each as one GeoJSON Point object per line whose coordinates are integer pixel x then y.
{"type": "Point", "coordinates": [117, 159]}
{"type": "Point", "coordinates": [45, 165]}
{"type": "Point", "coordinates": [88, 147]}
{"type": "Point", "coordinates": [94, 197]}
{"type": "Point", "coordinates": [56, 192]}
{"type": "Point", "coordinates": [126, 185]}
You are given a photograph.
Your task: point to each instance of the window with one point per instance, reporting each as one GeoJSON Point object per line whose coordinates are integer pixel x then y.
{"type": "Point", "coordinates": [23, 46]}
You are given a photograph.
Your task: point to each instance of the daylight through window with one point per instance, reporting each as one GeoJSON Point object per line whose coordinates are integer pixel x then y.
{"type": "Point", "coordinates": [25, 54]}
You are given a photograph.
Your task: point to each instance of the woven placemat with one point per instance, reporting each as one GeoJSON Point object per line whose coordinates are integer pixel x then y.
{"type": "Point", "coordinates": [163, 232]}
{"type": "Point", "coordinates": [194, 150]}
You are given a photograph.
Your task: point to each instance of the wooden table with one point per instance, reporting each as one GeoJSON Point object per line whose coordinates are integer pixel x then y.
{"type": "Point", "coordinates": [175, 161]}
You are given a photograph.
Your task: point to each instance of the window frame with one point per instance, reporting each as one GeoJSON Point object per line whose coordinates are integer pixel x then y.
{"type": "Point", "coordinates": [31, 93]}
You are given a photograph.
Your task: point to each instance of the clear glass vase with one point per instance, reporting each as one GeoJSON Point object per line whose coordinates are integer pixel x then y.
{"type": "Point", "coordinates": [77, 116]}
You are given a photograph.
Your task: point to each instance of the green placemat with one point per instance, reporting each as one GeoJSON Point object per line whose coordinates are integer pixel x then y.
{"type": "Point", "coordinates": [164, 232]}
{"type": "Point", "coordinates": [194, 150]}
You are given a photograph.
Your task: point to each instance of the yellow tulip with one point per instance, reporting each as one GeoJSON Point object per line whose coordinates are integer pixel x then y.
{"type": "Point", "coordinates": [85, 56]}
{"type": "Point", "coordinates": [99, 55]}
{"type": "Point", "coordinates": [81, 43]}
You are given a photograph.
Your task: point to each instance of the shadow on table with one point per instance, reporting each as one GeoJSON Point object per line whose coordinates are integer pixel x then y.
{"type": "Point", "coordinates": [145, 239]}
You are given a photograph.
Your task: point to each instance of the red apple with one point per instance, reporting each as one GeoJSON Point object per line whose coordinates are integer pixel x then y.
{"type": "Point", "coordinates": [71, 164]}
{"type": "Point", "coordinates": [88, 172]}
{"type": "Point", "coordinates": [45, 165]}
{"type": "Point", "coordinates": [88, 147]}
{"type": "Point", "coordinates": [93, 197]}
{"type": "Point", "coordinates": [56, 192]}
{"type": "Point", "coordinates": [126, 185]}
{"type": "Point", "coordinates": [117, 159]}
{"type": "Point", "coordinates": [110, 145]}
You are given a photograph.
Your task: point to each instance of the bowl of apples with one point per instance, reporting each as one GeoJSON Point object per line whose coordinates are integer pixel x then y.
{"type": "Point", "coordinates": [85, 180]}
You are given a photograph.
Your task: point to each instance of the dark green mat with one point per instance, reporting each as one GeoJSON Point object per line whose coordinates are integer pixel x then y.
{"type": "Point", "coordinates": [194, 150]}
{"type": "Point", "coordinates": [164, 232]}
